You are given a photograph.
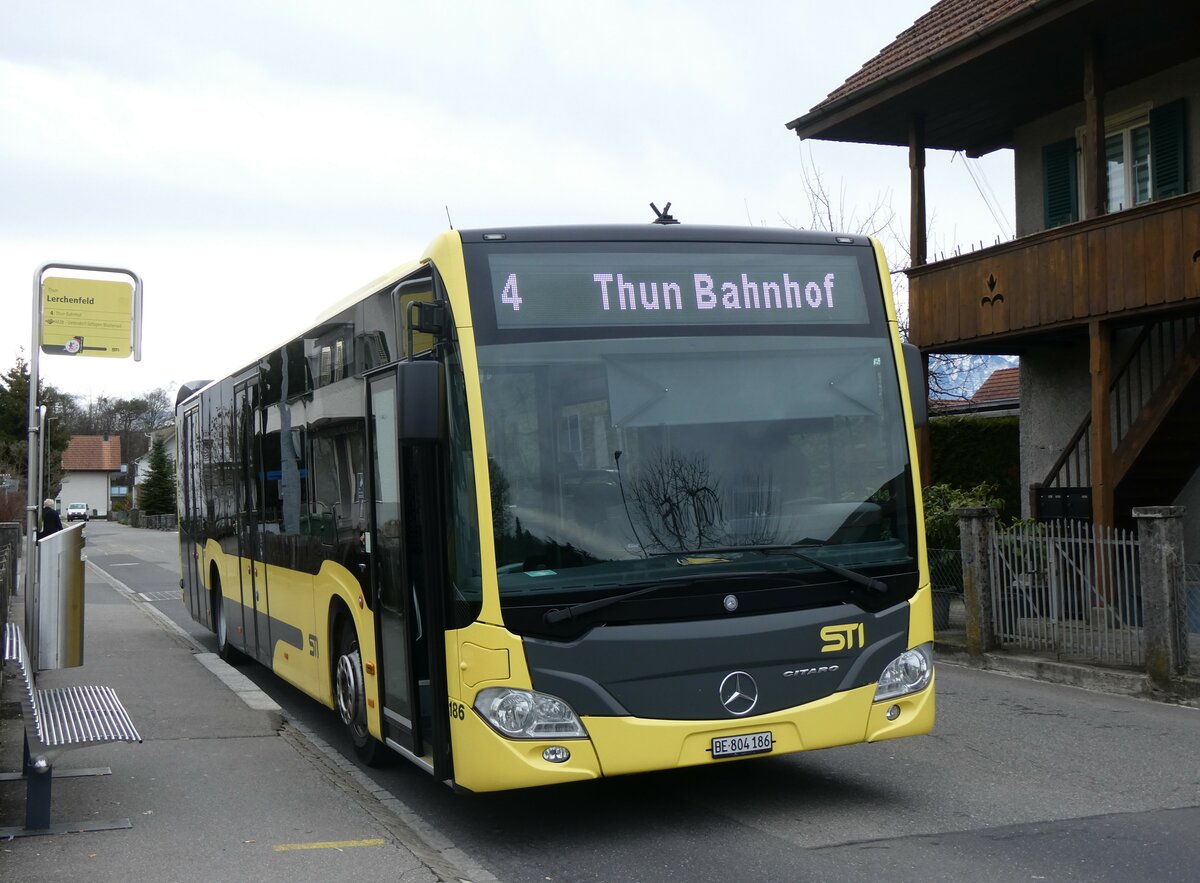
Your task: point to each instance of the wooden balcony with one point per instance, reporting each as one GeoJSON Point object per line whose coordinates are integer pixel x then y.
{"type": "Point", "coordinates": [1122, 266]}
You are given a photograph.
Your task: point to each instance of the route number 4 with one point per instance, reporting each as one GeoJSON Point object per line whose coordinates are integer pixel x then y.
{"type": "Point", "coordinates": [510, 294]}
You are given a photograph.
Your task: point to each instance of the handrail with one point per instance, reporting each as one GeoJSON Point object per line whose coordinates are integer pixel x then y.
{"type": "Point", "coordinates": [1166, 340]}
{"type": "Point", "coordinates": [1163, 342]}
{"type": "Point", "coordinates": [1071, 450]}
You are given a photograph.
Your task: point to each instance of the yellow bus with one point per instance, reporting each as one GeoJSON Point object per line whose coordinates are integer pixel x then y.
{"type": "Point", "coordinates": [551, 504]}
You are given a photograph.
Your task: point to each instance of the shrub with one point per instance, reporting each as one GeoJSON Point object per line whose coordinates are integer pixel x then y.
{"type": "Point", "coordinates": [941, 522]}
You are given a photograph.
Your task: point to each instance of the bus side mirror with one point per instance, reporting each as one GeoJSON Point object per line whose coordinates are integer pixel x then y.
{"type": "Point", "coordinates": [428, 317]}
{"type": "Point", "coordinates": [422, 414]}
{"type": "Point", "coordinates": [918, 388]}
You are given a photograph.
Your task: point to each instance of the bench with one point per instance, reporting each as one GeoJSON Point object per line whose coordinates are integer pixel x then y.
{"type": "Point", "coordinates": [57, 720]}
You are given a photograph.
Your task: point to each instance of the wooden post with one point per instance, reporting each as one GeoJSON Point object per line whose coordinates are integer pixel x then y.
{"type": "Point", "coordinates": [1102, 445]}
{"type": "Point", "coordinates": [1095, 175]}
{"type": "Point", "coordinates": [1102, 458]}
{"type": "Point", "coordinates": [916, 166]}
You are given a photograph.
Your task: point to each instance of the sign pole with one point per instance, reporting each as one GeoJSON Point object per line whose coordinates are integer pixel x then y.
{"type": "Point", "coordinates": [33, 478]}
{"type": "Point", "coordinates": [35, 439]}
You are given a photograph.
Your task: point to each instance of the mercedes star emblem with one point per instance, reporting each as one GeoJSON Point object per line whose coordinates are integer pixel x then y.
{"type": "Point", "coordinates": [739, 693]}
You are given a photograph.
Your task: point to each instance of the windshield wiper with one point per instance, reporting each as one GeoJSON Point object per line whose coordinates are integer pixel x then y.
{"type": "Point", "coordinates": [859, 579]}
{"type": "Point", "coordinates": [562, 614]}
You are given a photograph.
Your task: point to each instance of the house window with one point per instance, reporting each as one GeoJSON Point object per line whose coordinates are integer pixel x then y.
{"type": "Point", "coordinates": [1126, 159]}
{"type": "Point", "coordinates": [1127, 164]}
{"type": "Point", "coordinates": [1144, 155]}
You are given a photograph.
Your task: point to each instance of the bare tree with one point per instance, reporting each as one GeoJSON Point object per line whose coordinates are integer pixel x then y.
{"type": "Point", "coordinates": [132, 419]}
{"type": "Point", "coordinates": [830, 211]}
{"type": "Point", "coordinates": [678, 502]}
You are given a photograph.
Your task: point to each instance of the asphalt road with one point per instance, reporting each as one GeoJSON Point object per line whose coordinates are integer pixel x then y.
{"type": "Point", "coordinates": [1020, 780]}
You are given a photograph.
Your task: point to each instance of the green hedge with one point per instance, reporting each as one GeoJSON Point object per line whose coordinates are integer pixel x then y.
{"type": "Point", "coordinates": [941, 503]}
{"type": "Point", "coordinates": [970, 451]}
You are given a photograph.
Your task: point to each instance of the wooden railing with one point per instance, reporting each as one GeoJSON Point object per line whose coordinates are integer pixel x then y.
{"type": "Point", "coordinates": [1154, 360]}
{"type": "Point", "coordinates": [1140, 260]}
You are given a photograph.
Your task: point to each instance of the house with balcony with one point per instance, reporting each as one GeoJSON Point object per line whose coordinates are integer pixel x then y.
{"type": "Point", "coordinates": [1099, 293]}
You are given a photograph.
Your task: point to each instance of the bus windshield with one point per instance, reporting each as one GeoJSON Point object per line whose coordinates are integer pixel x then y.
{"type": "Point", "coordinates": [694, 418]}
{"type": "Point", "coordinates": [607, 454]}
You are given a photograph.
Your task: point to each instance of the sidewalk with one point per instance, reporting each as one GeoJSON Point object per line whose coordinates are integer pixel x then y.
{"type": "Point", "coordinates": [950, 646]}
{"type": "Point", "coordinates": [222, 788]}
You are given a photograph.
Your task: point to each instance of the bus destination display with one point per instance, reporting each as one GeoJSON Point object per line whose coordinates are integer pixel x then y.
{"type": "Point", "coordinates": [556, 290]}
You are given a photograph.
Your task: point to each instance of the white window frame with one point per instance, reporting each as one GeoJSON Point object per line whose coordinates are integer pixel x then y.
{"type": "Point", "coordinates": [1123, 124]}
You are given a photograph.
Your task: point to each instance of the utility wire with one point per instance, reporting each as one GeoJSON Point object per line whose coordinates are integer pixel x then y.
{"type": "Point", "coordinates": [989, 198]}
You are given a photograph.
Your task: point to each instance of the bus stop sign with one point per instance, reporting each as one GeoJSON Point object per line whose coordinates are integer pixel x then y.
{"type": "Point", "coordinates": [87, 317]}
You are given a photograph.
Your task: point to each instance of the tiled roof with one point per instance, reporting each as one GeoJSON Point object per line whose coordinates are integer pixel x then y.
{"type": "Point", "coordinates": [1002, 385]}
{"type": "Point", "coordinates": [947, 23]}
{"type": "Point", "coordinates": [92, 453]}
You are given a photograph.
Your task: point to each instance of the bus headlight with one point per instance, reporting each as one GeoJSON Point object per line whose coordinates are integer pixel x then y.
{"type": "Point", "coordinates": [525, 714]}
{"type": "Point", "coordinates": [910, 672]}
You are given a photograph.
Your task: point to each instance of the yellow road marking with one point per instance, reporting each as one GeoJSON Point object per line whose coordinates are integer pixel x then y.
{"type": "Point", "coordinates": [329, 844]}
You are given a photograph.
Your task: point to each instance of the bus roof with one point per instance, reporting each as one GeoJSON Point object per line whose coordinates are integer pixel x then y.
{"type": "Point", "coordinates": [564, 233]}
{"type": "Point", "coordinates": [660, 233]}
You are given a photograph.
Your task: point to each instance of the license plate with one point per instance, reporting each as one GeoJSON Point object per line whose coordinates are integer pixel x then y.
{"type": "Point", "coordinates": [747, 743]}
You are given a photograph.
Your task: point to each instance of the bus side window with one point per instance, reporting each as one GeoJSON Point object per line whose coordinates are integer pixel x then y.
{"type": "Point", "coordinates": [338, 511]}
{"type": "Point", "coordinates": [322, 521]}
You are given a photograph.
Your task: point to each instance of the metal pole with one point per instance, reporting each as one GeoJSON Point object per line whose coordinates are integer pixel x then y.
{"type": "Point", "coordinates": [34, 503]}
{"type": "Point", "coordinates": [32, 480]}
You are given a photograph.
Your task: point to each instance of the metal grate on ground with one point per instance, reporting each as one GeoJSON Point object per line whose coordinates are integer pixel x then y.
{"type": "Point", "coordinates": [172, 595]}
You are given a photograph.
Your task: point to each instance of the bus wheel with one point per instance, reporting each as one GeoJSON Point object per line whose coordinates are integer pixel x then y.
{"type": "Point", "coordinates": [351, 696]}
{"type": "Point", "coordinates": [225, 649]}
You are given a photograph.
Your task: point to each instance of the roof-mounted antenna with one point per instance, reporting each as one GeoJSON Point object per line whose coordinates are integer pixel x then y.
{"type": "Point", "coordinates": [448, 217]}
{"type": "Point", "coordinates": [663, 217]}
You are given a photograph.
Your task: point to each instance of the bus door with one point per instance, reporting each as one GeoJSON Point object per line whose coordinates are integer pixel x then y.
{"type": "Point", "coordinates": [406, 551]}
{"type": "Point", "coordinates": [245, 628]}
{"type": "Point", "coordinates": [192, 532]}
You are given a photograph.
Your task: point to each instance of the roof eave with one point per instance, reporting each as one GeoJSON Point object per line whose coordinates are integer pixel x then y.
{"type": "Point", "coordinates": [822, 121]}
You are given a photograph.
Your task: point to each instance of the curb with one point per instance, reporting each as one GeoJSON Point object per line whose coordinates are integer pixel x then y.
{"type": "Point", "coordinates": [1098, 680]}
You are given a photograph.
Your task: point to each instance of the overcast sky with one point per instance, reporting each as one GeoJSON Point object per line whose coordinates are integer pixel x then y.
{"type": "Point", "coordinates": [256, 160]}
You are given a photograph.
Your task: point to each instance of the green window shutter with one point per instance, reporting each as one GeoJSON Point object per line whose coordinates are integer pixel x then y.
{"type": "Point", "coordinates": [1168, 157]}
{"type": "Point", "coordinates": [1061, 190]}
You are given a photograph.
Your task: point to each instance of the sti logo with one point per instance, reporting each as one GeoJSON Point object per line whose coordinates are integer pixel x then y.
{"type": "Point", "coordinates": [843, 637]}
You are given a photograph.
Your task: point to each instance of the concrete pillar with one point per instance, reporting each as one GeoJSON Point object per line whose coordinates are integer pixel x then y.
{"type": "Point", "coordinates": [975, 527]}
{"type": "Point", "coordinates": [1164, 598]}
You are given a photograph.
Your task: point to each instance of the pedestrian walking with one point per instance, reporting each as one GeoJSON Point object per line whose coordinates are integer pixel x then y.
{"type": "Point", "coordinates": [51, 523]}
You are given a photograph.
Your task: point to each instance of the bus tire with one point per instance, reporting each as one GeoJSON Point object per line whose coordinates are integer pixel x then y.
{"type": "Point", "coordinates": [351, 698]}
{"type": "Point", "coordinates": [225, 649]}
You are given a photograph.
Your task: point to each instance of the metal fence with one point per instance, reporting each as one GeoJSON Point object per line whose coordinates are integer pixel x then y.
{"type": "Point", "coordinates": [7, 577]}
{"type": "Point", "coordinates": [946, 577]}
{"type": "Point", "coordinates": [1191, 578]}
{"type": "Point", "coordinates": [1070, 588]}
{"type": "Point", "coordinates": [137, 518]}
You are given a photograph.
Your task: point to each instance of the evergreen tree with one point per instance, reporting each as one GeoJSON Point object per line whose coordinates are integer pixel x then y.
{"type": "Point", "coordinates": [14, 425]}
{"type": "Point", "coordinates": [157, 493]}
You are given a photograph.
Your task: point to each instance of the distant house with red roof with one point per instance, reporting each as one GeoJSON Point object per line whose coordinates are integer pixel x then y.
{"type": "Point", "coordinates": [999, 395]}
{"type": "Point", "coordinates": [89, 463]}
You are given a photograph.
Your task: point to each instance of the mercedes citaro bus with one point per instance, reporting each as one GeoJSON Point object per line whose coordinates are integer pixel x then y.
{"type": "Point", "coordinates": [551, 504]}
